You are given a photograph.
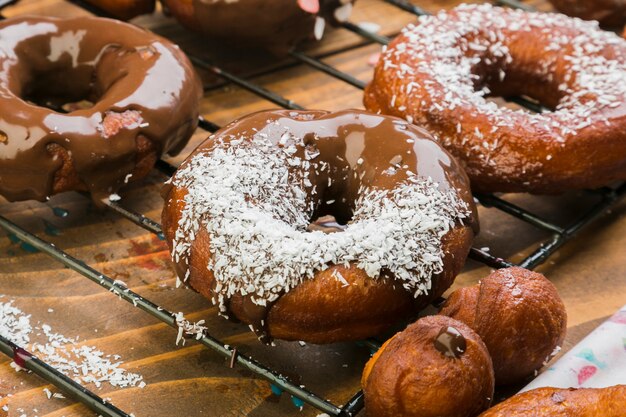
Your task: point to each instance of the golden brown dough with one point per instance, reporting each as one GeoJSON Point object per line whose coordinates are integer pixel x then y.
{"type": "Point", "coordinates": [518, 314]}
{"type": "Point", "coordinates": [557, 402]}
{"type": "Point", "coordinates": [413, 374]}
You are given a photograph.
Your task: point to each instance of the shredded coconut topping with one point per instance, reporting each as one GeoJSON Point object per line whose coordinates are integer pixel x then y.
{"type": "Point", "coordinates": [85, 364]}
{"type": "Point", "coordinates": [445, 49]}
{"type": "Point", "coordinates": [187, 328]}
{"type": "Point", "coordinates": [252, 198]}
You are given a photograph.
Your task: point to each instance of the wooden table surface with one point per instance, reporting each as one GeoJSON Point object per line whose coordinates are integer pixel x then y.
{"type": "Point", "coordinates": [190, 380]}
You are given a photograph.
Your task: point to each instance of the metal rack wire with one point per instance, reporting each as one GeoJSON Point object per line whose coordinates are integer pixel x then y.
{"type": "Point", "coordinates": [559, 235]}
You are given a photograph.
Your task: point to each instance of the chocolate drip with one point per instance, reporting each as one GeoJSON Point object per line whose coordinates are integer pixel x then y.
{"type": "Point", "coordinates": [143, 90]}
{"type": "Point", "coordinates": [20, 357]}
{"type": "Point", "coordinates": [346, 152]}
{"type": "Point", "coordinates": [256, 317]}
{"type": "Point", "coordinates": [450, 342]}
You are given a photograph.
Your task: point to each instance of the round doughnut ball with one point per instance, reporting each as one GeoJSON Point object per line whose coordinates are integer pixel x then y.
{"type": "Point", "coordinates": [518, 314]}
{"type": "Point", "coordinates": [88, 104]}
{"type": "Point", "coordinates": [440, 73]}
{"type": "Point", "coordinates": [248, 220]}
{"type": "Point", "coordinates": [436, 367]}
{"type": "Point", "coordinates": [277, 25]}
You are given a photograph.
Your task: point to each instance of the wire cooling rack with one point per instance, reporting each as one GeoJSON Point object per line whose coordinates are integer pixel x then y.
{"type": "Point", "coordinates": [559, 235]}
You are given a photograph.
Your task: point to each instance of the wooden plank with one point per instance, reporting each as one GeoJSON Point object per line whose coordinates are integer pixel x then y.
{"type": "Point", "coordinates": [191, 380]}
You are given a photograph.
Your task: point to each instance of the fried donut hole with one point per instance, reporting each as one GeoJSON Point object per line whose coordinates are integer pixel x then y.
{"type": "Point", "coordinates": [437, 367]}
{"type": "Point", "coordinates": [518, 314]}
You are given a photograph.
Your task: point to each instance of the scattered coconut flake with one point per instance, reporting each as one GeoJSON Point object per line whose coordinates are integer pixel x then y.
{"type": "Point", "coordinates": [84, 363]}
{"type": "Point", "coordinates": [187, 328]}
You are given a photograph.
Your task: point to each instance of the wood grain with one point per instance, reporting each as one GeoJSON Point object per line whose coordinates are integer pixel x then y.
{"type": "Point", "coordinates": [190, 380]}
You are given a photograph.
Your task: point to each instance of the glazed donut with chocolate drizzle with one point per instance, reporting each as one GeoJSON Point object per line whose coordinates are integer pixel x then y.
{"type": "Point", "coordinates": [240, 219]}
{"type": "Point", "coordinates": [276, 25]}
{"type": "Point", "coordinates": [440, 72]}
{"type": "Point", "coordinates": [610, 13]}
{"type": "Point", "coordinates": [137, 95]}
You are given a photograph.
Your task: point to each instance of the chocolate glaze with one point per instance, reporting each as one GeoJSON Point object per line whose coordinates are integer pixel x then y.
{"type": "Point", "coordinates": [450, 342]}
{"type": "Point", "coordinates": [21, 356]}
{"type": "Point", "coordinates": [256, 317]}
{"type": "Point", "coordinates": [142, 86]}
{"type": "Point", "coordinates": [275, 24]}
{"type": "Point", "coordinates": [359, 150]}
{"type": "Point", "coordinates": [124, 9]}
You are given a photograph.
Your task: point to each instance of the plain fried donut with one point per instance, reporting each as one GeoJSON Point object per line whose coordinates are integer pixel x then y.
{"type": "Point", "coordinates": [237, 213]}
{"type": "Point", "coordinates": [144, 94]}
{"type": "Point", "coordinates": [439, 72]}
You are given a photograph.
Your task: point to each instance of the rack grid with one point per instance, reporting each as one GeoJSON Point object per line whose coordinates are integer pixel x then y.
{"type": "Point", "coordinates": [559, 235]}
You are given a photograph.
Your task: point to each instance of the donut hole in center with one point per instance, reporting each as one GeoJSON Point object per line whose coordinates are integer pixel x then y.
{"type": "Point", "coordinates": [503, 84]}
{"type": "Point", "coordinates": [340, 184]}
{"type": "Point", "coordinates": [62, 84]}
{"type": "Point", "coordinates": [64, 89]}
{"type": "Point", "coordinates": [332, 214]}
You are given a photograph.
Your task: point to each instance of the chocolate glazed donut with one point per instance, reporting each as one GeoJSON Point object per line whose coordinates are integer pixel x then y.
{"type": "Point", "coordinates": [277, 25]}
{"type": "Point", "coordinates": [440, 72]}
{"type": "Point", "coordinates": [145, 97]}
{"type": "Point", "coordinates": [405, 220]}
{"type": "Point", "coordinates": [124, 9]}
{"type": "Point", "coordinates": [610, 13]}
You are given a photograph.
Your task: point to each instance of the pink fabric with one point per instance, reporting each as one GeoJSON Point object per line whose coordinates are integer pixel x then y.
{"type": "Point", "coordinates": [599, 360]}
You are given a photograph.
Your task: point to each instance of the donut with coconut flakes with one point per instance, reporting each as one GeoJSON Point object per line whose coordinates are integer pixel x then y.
{"type": "Point", "coordinates": [318, 226]}
{"type": "Point", "coordinates": [440, 73]}
{"type": "Point", "coordinates": [277, 25]}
